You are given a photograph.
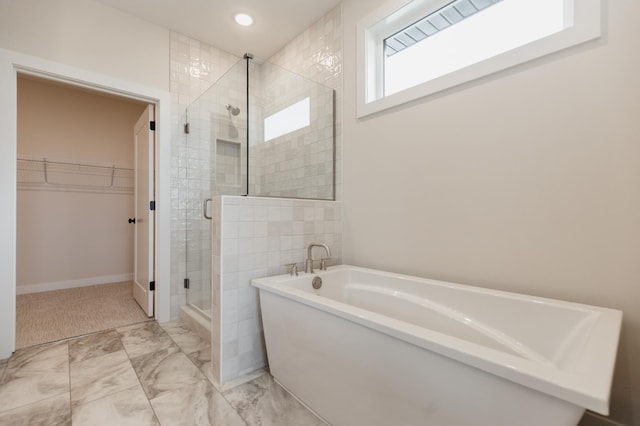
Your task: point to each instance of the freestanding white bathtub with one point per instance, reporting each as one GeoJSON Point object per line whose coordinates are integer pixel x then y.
{"type": "Point", "coordinates": [375, 348]}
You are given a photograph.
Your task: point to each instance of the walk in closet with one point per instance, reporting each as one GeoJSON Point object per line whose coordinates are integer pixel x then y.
{"type": "Point", "coordinates": [75, 196]}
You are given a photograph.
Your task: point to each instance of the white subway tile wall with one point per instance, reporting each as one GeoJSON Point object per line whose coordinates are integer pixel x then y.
{"type": "Point", "coordinates": [259, 236]}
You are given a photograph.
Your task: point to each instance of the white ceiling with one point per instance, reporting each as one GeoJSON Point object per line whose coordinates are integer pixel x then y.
{"type": "Point", "coordinates": [276, 21]}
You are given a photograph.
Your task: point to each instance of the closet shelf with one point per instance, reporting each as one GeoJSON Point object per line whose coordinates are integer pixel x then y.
{"type": "Point", "coordinates": [46, 174]}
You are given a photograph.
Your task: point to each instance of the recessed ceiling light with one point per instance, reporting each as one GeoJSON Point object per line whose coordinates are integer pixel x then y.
{"type": "Point", "coordinates": [244, 19]}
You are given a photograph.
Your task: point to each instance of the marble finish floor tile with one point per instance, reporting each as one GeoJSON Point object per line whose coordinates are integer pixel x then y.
{"type": "Point", "coordinates": [54, 411]}
{"type": "Point", "coordinates": [207, 370]}
{"type": "Point", "coordinates": [94, 345]}
{"type": "Point", "coordinates": [198, 405]}
{"type": "Point", "coordinates": [3, 365]}
{"type": "Point", "coordinates": [166, 370]}
{"type": "Point", "coordinates": [186, 339]}
{"type": "Point", "coordinates": [98, 377]}
{"type": "Point", "coordinates": [197, 349]}
{"type": "Point", "coordinates": [201, 357]}
{"type": "Point", "coordinates": [263, 402]}
{"type": "Point", "coordinates": [120, 377]}
{"type": "Point", "coordinates": [127, 407]}
{"type": "Point", "coordinates": [36, 360]}
{"type": "Point", "coordinates": [35, 374]}
{"type": "Point", "coordinates": [144, 338]}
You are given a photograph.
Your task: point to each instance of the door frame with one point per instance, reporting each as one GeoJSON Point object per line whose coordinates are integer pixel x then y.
{"type": "Point", "coordinates": [12, 63]}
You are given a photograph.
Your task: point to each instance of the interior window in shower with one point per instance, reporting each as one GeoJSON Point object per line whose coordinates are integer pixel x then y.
{"type": "Point", "coordinates": [287, 120]}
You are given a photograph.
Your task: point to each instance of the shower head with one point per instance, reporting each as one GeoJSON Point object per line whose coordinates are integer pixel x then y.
{"type": "Point", "coordinates": [233, 109]}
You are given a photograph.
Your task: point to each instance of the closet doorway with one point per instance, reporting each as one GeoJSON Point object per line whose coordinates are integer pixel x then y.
{"type": "Point", "coordinates": [79, 218]}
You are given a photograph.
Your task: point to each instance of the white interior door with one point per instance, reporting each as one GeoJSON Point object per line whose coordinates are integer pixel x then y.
{"type": "Point", "coordinates": [144, 280]}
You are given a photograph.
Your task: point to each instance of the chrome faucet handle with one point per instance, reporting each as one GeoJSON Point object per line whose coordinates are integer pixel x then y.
{"type": "Point", "coordinates": [323, 263]}
{"type": "Point", "coordinates": [292, 269]}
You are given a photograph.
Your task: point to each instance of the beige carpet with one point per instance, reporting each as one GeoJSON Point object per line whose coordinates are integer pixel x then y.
{"type": "Point", "coordinates": [60, 314]}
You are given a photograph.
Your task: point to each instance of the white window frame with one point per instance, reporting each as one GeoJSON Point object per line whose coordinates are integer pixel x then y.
{"type": "Point", "coordinates": [395, 15]}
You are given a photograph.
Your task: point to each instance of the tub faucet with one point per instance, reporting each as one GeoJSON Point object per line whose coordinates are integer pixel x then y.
{"type": "Point", "coordinates": [309, 263]}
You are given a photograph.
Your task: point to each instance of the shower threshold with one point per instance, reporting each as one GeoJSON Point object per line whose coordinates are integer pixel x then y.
{"type": "Point", "coordinates": [198, 320]}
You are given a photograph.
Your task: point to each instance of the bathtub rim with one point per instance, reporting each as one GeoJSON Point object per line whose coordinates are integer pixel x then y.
{"type": "Point", "coordinates": [590, 392]}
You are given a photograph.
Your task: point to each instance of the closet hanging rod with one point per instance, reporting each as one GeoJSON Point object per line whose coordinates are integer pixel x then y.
{"type": "Point", "coordinates": [65, 163]}
{"type": "Point", "coordinates": [60, 175]}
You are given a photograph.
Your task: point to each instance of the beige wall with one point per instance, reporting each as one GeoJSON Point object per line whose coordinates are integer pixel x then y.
{"type": "Point", "coordinates": [527, 181]}
{"type": "Point", "coordinates": [69, 236]}
{"type": "Point", "coordinates": [87, 35]}
{"type": "Point", "coordinates": [63, 122]}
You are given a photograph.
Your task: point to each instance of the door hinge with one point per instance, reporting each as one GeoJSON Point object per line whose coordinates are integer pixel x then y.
{"type": "Point", "coordinates": [186, 128]}
{"type": "Point", "coordinates": [186, 283]}
{"type": "Point", "coordinates": [152, 286]}
{"type": "Point", "coordinates": [152, 125]}
{"type": "Point", "coordinates": [152, 205]}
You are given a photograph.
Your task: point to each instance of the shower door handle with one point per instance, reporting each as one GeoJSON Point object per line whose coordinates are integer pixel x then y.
{"type": "Point", "coordinates": [204, 209]}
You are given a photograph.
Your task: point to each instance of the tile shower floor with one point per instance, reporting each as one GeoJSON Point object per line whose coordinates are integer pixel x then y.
{"type": "Point", "coordinates": [144, 374]}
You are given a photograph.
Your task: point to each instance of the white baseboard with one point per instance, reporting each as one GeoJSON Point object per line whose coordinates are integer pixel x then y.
{"type": "Point", "coordinates": [61, 285]}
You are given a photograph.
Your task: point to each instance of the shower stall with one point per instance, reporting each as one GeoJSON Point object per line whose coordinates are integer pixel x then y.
{"type": "Point", "coordinates": [259, 131]}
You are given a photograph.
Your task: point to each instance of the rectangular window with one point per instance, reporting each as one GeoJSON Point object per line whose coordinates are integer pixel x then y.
{"type": "Point", "coordinates": [428, 46]}
{"type": "Point", "coordinates": [456, 42]}
{"type": "Point", "coordinates": [287, 120]}
{"type": "Point", "coordinates": [433, 23]}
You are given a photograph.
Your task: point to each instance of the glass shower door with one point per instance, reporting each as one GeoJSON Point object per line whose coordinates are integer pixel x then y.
{"type": "Point", "coordinates": [217, 161]}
